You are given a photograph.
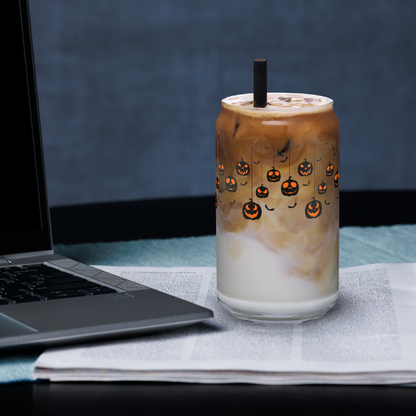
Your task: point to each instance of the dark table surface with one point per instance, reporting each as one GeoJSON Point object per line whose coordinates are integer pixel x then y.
{"type": "Point", "coordinates": [183, 217]}
{"type": "Point", "coordinates": [195, 216]}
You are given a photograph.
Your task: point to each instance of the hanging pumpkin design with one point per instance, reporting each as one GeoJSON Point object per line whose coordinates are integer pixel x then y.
{"type": "Point", "coordinates": [313, 209]}
{"type": "Point", "coordinates": [230, 184]}
{"type": "Point", "coordinates": [273, 175]}
{"type": "Point", "coordinates": [322, 188]}
{"type": "Point", "coordinates": [251, 210]}
{"type": "Point", "coordinates": [336, 179]}
{"type": "Point", "coordinates": [262, 192]}
{"type": "Point", "coordinates": [290, 187]}
{"type": "Point", "coordinates": [329, 169]}
{"type": "Point", "coordinates": [220, 168]}
{"type": "Point", "coordinates": [305, 168]}
{"type": "Point", "coordinates": [243, 168]}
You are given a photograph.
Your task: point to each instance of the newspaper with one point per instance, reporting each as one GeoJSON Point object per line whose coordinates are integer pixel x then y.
{"type": "Point", "coordinates": [369, 337]}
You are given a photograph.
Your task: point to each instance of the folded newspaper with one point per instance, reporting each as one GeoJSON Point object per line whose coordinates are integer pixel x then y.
{"type": "Point", "coordinates": [369, 337]}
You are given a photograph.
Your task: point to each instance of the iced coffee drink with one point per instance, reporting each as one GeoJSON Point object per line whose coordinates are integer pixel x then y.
{"type": "Point", "coordinates": [277, 207]}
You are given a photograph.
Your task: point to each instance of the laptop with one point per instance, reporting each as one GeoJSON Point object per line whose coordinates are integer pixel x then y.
{"type": "Point", "coordinates": [47, 299]}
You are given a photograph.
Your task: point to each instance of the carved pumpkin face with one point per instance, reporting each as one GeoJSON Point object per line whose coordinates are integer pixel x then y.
{"type": "Point", "coordinates": [220, 168]}
{"type": "Point", "coordinates": [290, 187]}
{"type": "Point", "coordinates": [273, 175]}
{"type": "Point", "coordinates": [329, 169]}
{"type": "Point", "coordinates": [243, 168]}
{"type": "Point", "coordinates": [322, 188]}
{"type": "Point", "coordinates": [251, 210]}
{"type": "Point", "coordinates": [313, 209]}
{"type": "Point", "coordinates": [305, 168]}
{"type": "Point", "coordinates": [336, 179]}
{"type": "Point", "coordinates": [262, 192]}
{"type": "Point", "coordinates": [230, 184]}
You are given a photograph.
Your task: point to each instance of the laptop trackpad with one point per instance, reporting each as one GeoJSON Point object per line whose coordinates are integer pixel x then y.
{"type": "Point", "coordinates": [10, 327]}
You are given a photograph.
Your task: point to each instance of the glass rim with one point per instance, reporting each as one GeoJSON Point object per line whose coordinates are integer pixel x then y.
{"type": "Point", "coordinates": [243, 103]}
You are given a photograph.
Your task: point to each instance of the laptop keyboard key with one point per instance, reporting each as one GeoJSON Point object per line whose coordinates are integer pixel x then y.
{"type": "Point", "coordinates": [20, 298]}
{"type": "Point", "coordinates": [42, 282]}
{"type": "Point", "coordinates": [59, 294]}
{"type": "Point", "coordinates": [97, 290]}
{"type": "Point", "coordinates": [66, 286]}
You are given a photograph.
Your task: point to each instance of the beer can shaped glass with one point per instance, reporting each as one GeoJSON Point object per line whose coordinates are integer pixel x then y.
{"type": "Point", "coordinates": [277, 207]}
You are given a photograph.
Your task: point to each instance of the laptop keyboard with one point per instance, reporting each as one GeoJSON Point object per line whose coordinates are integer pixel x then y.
{"type": "Point", "coordinates": [40, 282]}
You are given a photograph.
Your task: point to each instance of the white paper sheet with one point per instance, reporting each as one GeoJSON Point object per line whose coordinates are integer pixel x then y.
{"type": "Point", "coordinates": [369, 337]}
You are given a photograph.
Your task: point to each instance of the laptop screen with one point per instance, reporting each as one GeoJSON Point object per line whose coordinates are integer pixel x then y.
{"type": "Point", "coordinates": [24, 223]}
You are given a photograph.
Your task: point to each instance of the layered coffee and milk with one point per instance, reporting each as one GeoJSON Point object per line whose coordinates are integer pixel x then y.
{"type": "Point", "coordinates": [277, 199]}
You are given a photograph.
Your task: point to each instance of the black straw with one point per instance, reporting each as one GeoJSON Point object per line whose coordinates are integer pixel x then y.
{"type": "Point", "coordinates": [260, 83]}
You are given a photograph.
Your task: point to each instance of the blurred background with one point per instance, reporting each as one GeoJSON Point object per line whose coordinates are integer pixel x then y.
{"type": "Point", "coordinates": [130, 91]}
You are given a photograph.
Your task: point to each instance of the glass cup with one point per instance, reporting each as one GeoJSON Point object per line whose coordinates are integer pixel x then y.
{"type": "Point", "coordinates": [277, 207]}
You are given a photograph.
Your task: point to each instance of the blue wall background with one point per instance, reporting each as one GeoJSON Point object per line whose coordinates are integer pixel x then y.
{"type": "Point", "coordinates": [130, 90]}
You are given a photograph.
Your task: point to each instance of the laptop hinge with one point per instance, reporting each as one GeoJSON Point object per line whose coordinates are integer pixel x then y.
{"type": "Point", "coordinates": [3, 260]}
{"type": "Point", "coordinates": [19, 256]}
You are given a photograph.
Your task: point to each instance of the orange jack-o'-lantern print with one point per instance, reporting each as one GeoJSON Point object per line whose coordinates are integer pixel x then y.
{"type": "Point", "coordinates": [273, 175]}
{"type": "Point", "coordinates": [305, 168]}
{"type": "Point", "coordinates": [251, 210]}
{"type": "Point", "coordinates": [313, 209]}
{"type": "Point", "coordinates": [330, 169]}
{"type": "Point", "coordinates": [220, 168]}
{"type": "Point", "coordinates": [230, 184]}
{"type": "Point", "coordinates": [243, 168]}
{"type": "Point", "coordinates": [290, 187]}
{"type": "Point", "coordinates": [262, 192]}
{"type": "Point", "coordinates": [336, 179]}
{"type": "Point", "coordinates": [322, 188]}
{"type": "Point", "coordinates": [217, 183]}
